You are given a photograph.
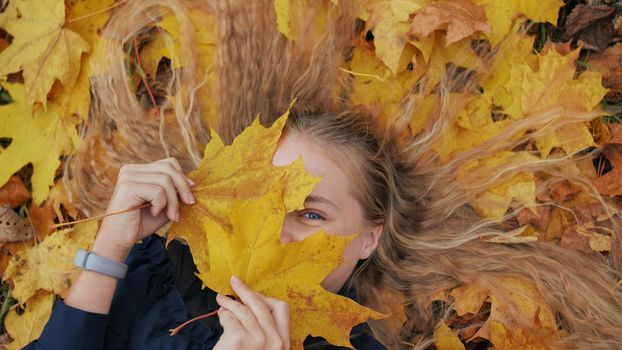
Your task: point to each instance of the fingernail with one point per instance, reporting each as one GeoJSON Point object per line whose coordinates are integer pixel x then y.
{"type": "Point", "coordinates": [190, 198]}
{"type": "Point", "coordinates": [176, 217]}
{"type": "Point", "coordinates": [236, 280]}
{"type": "Point", "coordinates": [190, 181]}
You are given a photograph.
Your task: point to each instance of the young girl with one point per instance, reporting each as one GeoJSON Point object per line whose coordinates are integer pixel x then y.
{"type": "Point", "coordinates": [419, 236]}
{"type": "Point", "coordinates": [137, 312]}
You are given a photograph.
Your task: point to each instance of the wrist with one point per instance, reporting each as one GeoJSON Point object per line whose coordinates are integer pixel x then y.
{"type": "Point", "coordinates": [106, 247]}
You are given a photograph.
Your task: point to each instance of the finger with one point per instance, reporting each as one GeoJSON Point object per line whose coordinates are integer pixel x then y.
{"type": "Point", "coordinates": [241, 312]}
{"type": "Point", "coordinates": [141, 193]}
{"type": "Point", "coordinates": [259, 308]}
{"type": "Point", "coordinates": [173, 162]}
{"type": "Point", "coordinates": [280, 314]}
{"type": "Point", "coordinates": [164, 181]}
{"type": "Point", "coordinates": [229, 322]}
{"type": "Point", "coordinates": [177, 166]}
{"type": "Point", "coordinates": [179, 179]}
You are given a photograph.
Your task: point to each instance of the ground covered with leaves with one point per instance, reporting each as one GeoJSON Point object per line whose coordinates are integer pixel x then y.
{"type": "Point", "coordinates": [569, 62]}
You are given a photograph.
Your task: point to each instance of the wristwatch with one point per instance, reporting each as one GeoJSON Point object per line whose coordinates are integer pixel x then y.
{"type": "Point", "coordinates": [89, 261]}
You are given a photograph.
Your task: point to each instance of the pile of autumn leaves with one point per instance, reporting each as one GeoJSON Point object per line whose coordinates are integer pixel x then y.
{"type": "Point", "coordinates": [44, 64]}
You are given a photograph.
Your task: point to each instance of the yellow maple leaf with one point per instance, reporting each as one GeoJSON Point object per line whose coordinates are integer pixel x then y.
{"type": "Point", "coordinates": [167, 43]}
{"type": "Point", "coordinates": [39, 139]}
{"type": "Point", "coordinates": [291, 16]}
{"type": "Point", "coordinates": [28, 326]}
{"type": "Point", "coordinates": [86, 18]}
{"type": "Point", "coordinates": [552, 87]}
{"type": "Point", "coordinates": [49, 265]}
{"type": "Point", "coordinates": [494, 201]}
{"type": "Point", "coordinates": [519, 317]}
{"type": "Point", "coordinates": [501, 14]}
{"type": "Point", "coordinates": [375, 87]}
{"type": "Point", "coordinates": [572, 138]}
{"type": "Point", "coordinates": [42, 47]}
{"type": "Point", "coordinates": [242, 170]}
{"type": "Point", "coordinates": [446, 339]}
{"type": "Point", "coordinates": [388, 21]}
{"type": "Point", "coordinates": [290, 272]}
{"type": "Point", "coordinates": [516, 50]}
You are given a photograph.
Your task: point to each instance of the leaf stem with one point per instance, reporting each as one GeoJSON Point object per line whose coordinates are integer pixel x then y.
{"type": "Point", "coordinates": [62, 224]}
{"type": "Point", "coordinates": [178, 328]}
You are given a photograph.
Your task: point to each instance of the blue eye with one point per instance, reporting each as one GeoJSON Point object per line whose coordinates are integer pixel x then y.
{"type": "Point", "coordinates": [312, 216]}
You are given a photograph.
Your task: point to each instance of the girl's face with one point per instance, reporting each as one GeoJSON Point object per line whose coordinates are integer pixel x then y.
{"type": "Point", "coordinates": [331, 206]}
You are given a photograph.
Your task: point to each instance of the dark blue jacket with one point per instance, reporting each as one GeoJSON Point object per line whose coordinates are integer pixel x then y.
{"type": "Point", "coordinates": [155, 296]}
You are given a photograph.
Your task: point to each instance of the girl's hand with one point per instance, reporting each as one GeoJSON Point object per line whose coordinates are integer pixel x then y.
{"type": "Point", "coordinates": [257, 323]}
{"type": "Point", "coordinates": [162, 184]}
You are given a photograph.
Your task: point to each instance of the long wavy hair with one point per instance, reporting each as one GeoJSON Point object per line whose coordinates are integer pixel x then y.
{"type": "Point", "coordinates": [432, 239]}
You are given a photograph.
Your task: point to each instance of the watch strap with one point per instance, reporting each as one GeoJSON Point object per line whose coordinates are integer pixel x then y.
{"type": "Point", "coordinates": [89, 261]}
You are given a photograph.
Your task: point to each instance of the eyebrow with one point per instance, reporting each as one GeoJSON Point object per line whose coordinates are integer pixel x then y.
{"type": "Point", "coordinates": [321, 200]}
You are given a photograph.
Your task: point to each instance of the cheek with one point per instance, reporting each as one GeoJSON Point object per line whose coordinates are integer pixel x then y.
{"type": "Point", "coordinates": [335, 280]}
{"type": "Point", "coordinates": [294, 231]}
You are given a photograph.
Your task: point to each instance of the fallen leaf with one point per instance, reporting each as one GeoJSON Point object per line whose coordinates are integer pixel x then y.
{"type": "Point", "coordinates": [374, 85]}
{"type": "Point", "coordinates": [43, 48]}
{"type": "Point", "coordinates": [59, 197]}
{"type": "Point", "coordinates": [292, 16]}
{"type": "Point", "coordinates": [42, 218]}
{"type": "Point", "coordinates": [608, 64]}
{"type": "Point", "coordinates": [446, 339]}
{"type": "Point", "coordinates": [572, 138]}
{"type": "Point", "coordinates": [241, 170]}
{"type": "Point", "coordinates": [590, 25]}
{"type": "Point", "coordinates": [290, 272]}
{"type": "Point", "coordinates": [49, 265]}
{"type": "Point", "coordinates": [519, 318]}
{"type": "Point", "coordinates": [552, 89]}
{"type": "Point", "coordinates": [469, 299]}
{"type": "Point", "coordinates": [28, 326]}
{"type": "Point", "coordinates": [14, 193]}
{"type": "Point", "coordinates": [459, 18]}
{"type": "Point", "coordinates": [388, 21]}
{"type": "Point", "coordinates": [610, 184]}
{"type": "Point", "coordinates": [12, 227]}
{"type": "Point", "coordinates": [501, 14]}
{"type": "Point", "coordinates": [39, 138]}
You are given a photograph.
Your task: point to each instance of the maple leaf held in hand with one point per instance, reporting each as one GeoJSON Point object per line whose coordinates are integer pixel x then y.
{"type": "Point", "coordinates": [241, 170]}
{"type": "Point", "coordinates": [290, 272]}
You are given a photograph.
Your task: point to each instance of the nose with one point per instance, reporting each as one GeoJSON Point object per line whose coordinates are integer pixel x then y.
{"type": "Point", "coordinates": [286, 236]}
{"type": "Point", "coordinates": [287, 230]}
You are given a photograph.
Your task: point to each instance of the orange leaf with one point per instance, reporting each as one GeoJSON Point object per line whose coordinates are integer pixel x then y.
{"type": "Point", "coordinates": [14, 193]}
{"type": "Point", "coordinates": [460, 18]}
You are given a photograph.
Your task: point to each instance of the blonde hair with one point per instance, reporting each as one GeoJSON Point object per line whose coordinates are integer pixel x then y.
{"type": "Point", "coordinates": [432, 239]}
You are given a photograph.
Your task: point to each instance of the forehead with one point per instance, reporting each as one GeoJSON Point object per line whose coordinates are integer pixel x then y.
{"type": "Point", "coordinates": [335, 184]}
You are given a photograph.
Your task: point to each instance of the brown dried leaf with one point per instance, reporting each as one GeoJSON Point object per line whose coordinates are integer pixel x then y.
{"type": "Point", "coordinates": [459, 18]}
{"type": "Point", "coordinates": [41, 218]}
{"type": "Point", "coordinates": [610, 184]}
{"type": "Point", "coordinates": [591, 26]}
{"type": "Point", "coordinates": [12, 227]}
{"type": "Point", "coordinates": [14, 193]}
{"type": "Point", "coordinates": [608, 64]}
